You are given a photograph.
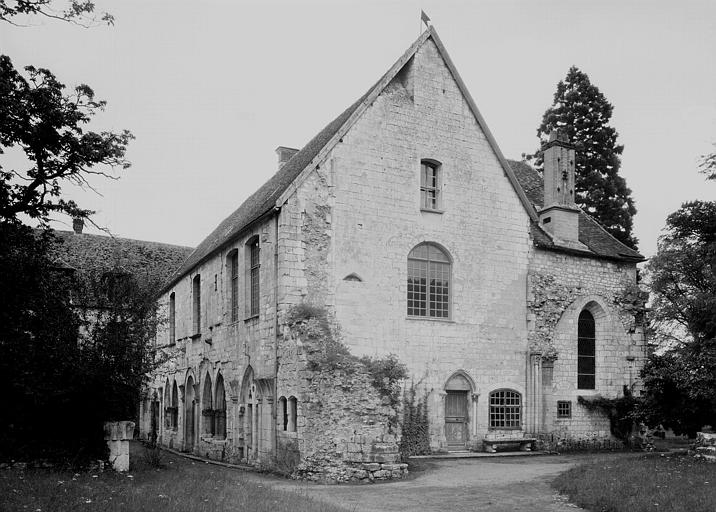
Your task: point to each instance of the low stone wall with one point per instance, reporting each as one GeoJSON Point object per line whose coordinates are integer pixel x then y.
{"type": "Point", "coordinates": [324, 470]}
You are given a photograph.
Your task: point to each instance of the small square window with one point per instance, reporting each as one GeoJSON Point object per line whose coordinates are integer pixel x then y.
{"type": "Point", "coordinates": [564, 409]}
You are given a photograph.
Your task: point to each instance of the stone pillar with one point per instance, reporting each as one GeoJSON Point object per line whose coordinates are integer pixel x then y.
{"type": "Point", "coordinates": [473, 418]}
{"type": "Point", "coordinates": [534, 393]}
{"type": "Point", "coordinates": [118, 434]}
{"type": "Point", "coordinates": [548, 404]}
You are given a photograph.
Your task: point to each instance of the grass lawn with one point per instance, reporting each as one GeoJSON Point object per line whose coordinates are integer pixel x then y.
{"type": "Point", "coordinates": [653, 482]}
{"type": "Point", "coordinates": [181, 485]}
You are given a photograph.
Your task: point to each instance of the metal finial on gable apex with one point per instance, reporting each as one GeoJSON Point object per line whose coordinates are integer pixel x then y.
{"type": "Point", "coordinates": [424, 18]}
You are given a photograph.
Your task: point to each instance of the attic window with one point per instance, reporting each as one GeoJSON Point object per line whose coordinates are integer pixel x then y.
{"type": "Point", "coordinates": [353, 277]}
{"type": "Point", "coordinates": [430, 185]}
{"type": "Point", "coordinates": [546, 220]}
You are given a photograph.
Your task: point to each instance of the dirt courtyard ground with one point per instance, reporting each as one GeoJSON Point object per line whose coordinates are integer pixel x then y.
{"type": "Point", "coordinates": [490, 485]}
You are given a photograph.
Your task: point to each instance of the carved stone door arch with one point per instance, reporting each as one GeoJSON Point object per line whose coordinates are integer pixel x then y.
{"type": "Point", "coordinates": [458, 391]}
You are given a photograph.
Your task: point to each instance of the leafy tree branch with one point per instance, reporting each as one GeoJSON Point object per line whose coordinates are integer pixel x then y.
{"type": "Point", "coordinates": [48, 125]}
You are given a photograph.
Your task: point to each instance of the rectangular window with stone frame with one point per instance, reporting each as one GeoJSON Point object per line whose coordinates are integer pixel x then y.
{"type": "Point", "coordinates": [564, 409]}
{"type": "Point", "coordinates": [430, 185]}
{"type": "Point", "coordinates": [254, 276]}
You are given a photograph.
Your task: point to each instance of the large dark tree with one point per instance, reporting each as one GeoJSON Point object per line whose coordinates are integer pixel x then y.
{"type": "Point", "coordinates": [48, 126]}
{"type": "Point", "coordinates": [74, 349]}
{"type": "Point", "coordinates": [680, 377]}
{"type": "Point", "coordinates": [581, 111]}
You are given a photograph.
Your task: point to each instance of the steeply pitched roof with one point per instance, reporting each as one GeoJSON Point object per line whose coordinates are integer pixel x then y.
{"type": "Point", "coordinates": [272, 193]}
{"type": "Point", "coordinates": [145, 260]}
{"type": "Point", "coordinates": [591, 234]}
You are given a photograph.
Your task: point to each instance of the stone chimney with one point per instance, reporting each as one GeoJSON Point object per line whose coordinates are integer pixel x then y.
{"type": "Point", "coordinates": [284, 154]}
{"type": "Point", "coordinates": [559, 215]}
{"type": "Point", "coordinates": [78, 225]}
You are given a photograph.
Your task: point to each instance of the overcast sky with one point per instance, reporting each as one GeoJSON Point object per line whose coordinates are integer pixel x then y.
{"type": "Point", "coordinates": [211, 88]}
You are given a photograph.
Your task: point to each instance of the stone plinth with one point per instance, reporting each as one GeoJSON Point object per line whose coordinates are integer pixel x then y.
{"type": "Point", "coordinates": [118, 434]}
{"type": "Point", "coordinates": [705, 446]}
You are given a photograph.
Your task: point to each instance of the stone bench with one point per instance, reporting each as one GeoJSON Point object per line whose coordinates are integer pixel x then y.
{"type": "Point", "coordinates": [526, 443]}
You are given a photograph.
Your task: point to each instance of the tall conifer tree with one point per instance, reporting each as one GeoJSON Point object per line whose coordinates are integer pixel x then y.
{"type": "Point", "coordinates": [582, 111]}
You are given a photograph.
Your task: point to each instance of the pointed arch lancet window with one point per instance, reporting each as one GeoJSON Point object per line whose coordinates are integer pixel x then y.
{"type": "Point", "coordinates": [428, 282]}
{"type": "Point", "coordinates": [175, 406]}
{"type": "Point", "coordinates": [586, 360]}
{"type": "Point", "coordinates": [220, 409]}
{"type": "Point", "coordinates": [207, 408]}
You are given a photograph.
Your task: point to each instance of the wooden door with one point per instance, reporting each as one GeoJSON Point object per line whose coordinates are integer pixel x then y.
{"type": "Point", "coordinates": [456, 419]}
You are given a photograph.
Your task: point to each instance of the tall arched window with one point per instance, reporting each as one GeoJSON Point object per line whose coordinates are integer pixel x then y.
{"type": "Point", "coordinates": [505, 409]}
{"type": "Point", "coordinates": [232, 265]}
{"type": "Point", "coordinates": [167, 406]}
{"type": "Point", "coordinates": [172, 319]}
{"type": "Point", "coordinates": [428, 282]}
{"type": "Point", "coordinates": [253, 253]}
{"type": "Point", "coordinates": [196, 303]}
{"type": "Point", "coordinates": [175, 406]}
{"type": "Point", "coordinates": [220, 409]}
{"type": "Point", "coordinates": [586, 362]}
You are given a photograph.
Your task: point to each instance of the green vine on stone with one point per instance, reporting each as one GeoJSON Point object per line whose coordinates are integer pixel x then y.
{"type": "Point", "coordinates": [621, 411]}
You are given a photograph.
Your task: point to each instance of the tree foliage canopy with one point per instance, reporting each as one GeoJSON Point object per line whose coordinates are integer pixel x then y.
{"type": "Point", "coordinates": [37, 117]}
{"type": "Point", "coordinates": [680, 380]}
{"type": "Point", "coordinates": [581, 111]}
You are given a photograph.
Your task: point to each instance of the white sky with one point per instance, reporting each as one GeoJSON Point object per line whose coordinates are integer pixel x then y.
{"type": "Point", "coordinates": [210, 88]}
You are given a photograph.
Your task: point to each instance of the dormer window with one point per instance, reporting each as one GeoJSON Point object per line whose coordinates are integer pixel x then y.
{"type": "Point", "coordinates": [430, 185]}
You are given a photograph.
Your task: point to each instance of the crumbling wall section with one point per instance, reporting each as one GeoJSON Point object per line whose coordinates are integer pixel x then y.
{"type": "Point", "coordinates": [344, 430]}
{"type": "Point", "coordinates": [560, 287]}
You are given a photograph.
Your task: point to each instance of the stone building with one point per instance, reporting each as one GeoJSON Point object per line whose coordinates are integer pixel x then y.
{"type": "Point", "coordinates": [403, 220]}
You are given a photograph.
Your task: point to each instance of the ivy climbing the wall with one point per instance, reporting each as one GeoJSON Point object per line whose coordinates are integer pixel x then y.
{"type": "Point", "coordinates": [415, 439]}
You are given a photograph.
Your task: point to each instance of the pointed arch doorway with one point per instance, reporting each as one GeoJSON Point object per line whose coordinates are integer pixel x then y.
{"type": "Point", "coordinates": [457, 417]}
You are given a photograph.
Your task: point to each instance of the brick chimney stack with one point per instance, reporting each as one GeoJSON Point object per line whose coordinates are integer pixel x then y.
{"type": "Point", "coordinates": [284, 154]}
{"type": "Point", "coordinates": [560, 215]}
{"type": "Point", "coordinates": [78, 225]}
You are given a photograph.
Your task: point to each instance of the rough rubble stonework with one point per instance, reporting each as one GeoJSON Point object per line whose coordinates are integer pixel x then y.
{"type": "Point", "coordinates": [335, 227]}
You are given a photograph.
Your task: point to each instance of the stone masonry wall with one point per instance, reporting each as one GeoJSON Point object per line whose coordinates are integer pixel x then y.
{"type": "Point", "coordinates": [223, 347]}
{"type": "Point", "coordinates": [344, 431]}
{"type": "Point", "coordinates": [560, 286]}
{"type": "Point", "coordinates": [377, 220]}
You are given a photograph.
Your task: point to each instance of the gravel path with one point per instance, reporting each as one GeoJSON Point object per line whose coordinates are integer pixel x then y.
{"type": "Point", "coordinates": [490, 485]}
